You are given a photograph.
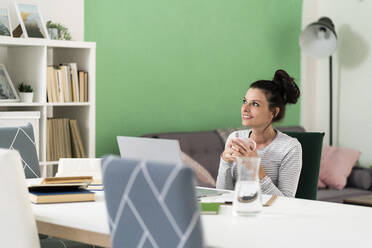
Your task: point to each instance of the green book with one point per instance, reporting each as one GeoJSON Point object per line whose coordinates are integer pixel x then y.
{"type": "Point", "coordinates": [209, 208]}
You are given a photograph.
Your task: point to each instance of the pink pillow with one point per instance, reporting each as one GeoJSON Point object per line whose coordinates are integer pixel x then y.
{"type": "Point", "coordinates": [321, 184]}
{"type": "Point", "coordinates": [203, 177]}
{"type": "Point", "coordinates": [336, 164]}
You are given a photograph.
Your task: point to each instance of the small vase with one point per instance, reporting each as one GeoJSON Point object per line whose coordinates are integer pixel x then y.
{"type": "Point", "coordinates": [26, 96]}
{"type": "Point", "coordinates": [53, 33]}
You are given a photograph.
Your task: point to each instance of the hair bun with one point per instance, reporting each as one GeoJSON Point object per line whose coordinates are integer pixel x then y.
{"type": "Point", "coordinates": [287, 86]}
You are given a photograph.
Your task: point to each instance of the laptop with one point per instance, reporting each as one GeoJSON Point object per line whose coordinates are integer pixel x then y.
{"type": "Point", "coordinates": [161, 150]}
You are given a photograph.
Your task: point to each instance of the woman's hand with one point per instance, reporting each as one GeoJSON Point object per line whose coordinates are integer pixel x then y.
{"type": "Point", "coordinates": [242, 149]}
{"type": "Point", "coordinates": [228, 153]}
{"type": "Point", "coordinates": [237, 148]}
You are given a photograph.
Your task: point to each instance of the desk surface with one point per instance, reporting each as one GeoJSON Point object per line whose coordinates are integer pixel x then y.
{"type": "Point", "coordinates": [288, 222]}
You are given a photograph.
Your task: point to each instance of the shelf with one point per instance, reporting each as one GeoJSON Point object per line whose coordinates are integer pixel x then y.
{"type": "Point", "coordinates": [68, 104]}
{"type": "Point", "coordinates": [27, 60]}
{"type": "Point", "coordinates": [9, 41]}
{"type": "Point", "coordinates": [48, 163]}
{"type": "Point", "coordinates": [21, 104]}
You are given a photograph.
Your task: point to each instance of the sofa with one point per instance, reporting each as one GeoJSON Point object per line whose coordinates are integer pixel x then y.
{"type": "Point", "coordinates": [205, 147]}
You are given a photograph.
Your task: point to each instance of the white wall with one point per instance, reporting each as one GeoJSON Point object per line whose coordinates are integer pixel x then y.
{"type": "Point", "coordinates": [352, 72]}
{"type": "Point", "coordinates": [70, 13]}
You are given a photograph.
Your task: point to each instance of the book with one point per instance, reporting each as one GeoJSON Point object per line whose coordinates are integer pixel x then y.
{"type": "Point", "coordinates": [76, 140]}
{"type": "Point", "coordinates": [81, 85]}
{"type": "Point", "coordinates": [78, 195]}
{"type": "Point", "coordinates": [85, 86]}
{"type": "Point", "coordinates": [50, 74]}
{"type": "Point", "coordinates": [75, 81]}
{"type": "Point", "coordinates": [61, 180]}
{"type": "Point", "coordinates": [60, 88]}
{"type": "Point", "coordinates": [61, 189]}
{"type": "Point", "coordinates": [55, 88]}
{"type": "Point", "coordinates": [209, 208]}
{"type": "Point", "coordinates": [66, 82]}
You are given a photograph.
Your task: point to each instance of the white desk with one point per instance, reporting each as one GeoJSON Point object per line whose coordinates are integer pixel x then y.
{"type": "Point", "coordinates": [287, 223]}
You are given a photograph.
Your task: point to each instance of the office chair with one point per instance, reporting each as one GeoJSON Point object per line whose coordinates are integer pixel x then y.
{"type": "Point", "coordinates": [18, 226]}
{"type": "Point", "coordinates": [22, 140]}
{"type": "Point", "coordinates": [311, 143]}
{"type": "Point", "coordinates": [151, 204]}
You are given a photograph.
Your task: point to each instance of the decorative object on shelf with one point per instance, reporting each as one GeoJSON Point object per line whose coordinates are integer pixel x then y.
{"type": "Point", "coordinates": [5, 22]}
{"type": "Point", "coordinates": [319, 39]}
{"type": "Point", "coordinates": [26, 92]}
{"type": "Point", "coordinates": [7, 90]}
{"type": "Point", "coordinates": [31, 21]}
{"type": "Point", "coordinates": [57, 31]}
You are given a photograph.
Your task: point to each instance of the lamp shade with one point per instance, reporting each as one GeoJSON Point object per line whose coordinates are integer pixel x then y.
{"type": "Point", "coordinates": [319, 39]}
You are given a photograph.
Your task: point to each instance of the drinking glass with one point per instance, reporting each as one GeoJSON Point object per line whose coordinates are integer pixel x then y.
{"type": "Point", "coordinates": [247, 195]}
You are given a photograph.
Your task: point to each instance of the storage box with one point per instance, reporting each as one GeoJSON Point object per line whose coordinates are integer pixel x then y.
{"type": "Point", "coordinates": [21, 118]}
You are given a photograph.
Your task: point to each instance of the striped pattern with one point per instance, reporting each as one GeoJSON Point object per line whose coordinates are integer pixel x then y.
{"type": "Point", "coordinates": [281, 159]}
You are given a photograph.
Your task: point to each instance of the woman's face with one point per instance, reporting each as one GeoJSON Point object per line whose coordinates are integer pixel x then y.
{"type": "Point", "coordinates": [255, 109]}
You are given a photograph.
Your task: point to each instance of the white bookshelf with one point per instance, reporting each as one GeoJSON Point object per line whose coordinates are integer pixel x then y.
{"type": "Point", "coordinates": [26, 60]}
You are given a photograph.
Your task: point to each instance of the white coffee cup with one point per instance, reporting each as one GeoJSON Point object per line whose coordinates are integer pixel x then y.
{"type": "Point", "coordinates": [249, 142]}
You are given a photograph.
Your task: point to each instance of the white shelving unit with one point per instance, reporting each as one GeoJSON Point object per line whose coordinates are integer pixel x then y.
{"type": "Point", "coordinates": [26, 61]}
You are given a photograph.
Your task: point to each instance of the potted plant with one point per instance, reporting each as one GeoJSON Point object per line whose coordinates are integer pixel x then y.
{"type": "Point", "coordinates": [26, 93]}
{"type": "Point", "coordinates": [57, 31]}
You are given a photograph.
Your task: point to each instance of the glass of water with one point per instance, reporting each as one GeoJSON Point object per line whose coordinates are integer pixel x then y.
{"type": "Point", "coordinates": [247, 195]}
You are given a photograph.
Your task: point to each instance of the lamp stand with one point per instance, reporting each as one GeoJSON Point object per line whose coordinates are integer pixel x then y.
{"type": "Point", "coordinates": [330, 102]}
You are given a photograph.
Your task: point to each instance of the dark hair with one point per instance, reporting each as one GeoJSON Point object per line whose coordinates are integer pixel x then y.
{"type": "Point", "coordinates": [279, 91]}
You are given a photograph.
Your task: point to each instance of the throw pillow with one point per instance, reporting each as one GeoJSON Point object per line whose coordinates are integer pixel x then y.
{"type": "Point", "coordinates": [360, 178]}
{"type": "Point", "coordinates": [336, 164]}
{"type": "Point", "coordinates": [321, 184]}
{"type": "Point", "coordinates": [203, 177]}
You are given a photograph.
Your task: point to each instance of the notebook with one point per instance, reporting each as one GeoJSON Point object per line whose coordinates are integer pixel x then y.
{"type": "Point", "coordinates": [60, 189]}
{"type": "Point", "coordinates": [209, 208]}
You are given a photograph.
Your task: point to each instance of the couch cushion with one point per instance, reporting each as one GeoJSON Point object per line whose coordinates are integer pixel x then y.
{"type": "Point", "coordinates": [336, 164]}
{"type": "Point", "coordinates": [335, 195]}
{"type": "Point", "coordinates": [203, 177]}
{"type": "Point", "coordinates": [204, 147]}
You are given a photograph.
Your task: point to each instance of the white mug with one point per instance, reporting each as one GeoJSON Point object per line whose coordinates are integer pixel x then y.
{"type": "Point", "coordinates": [249, 142]}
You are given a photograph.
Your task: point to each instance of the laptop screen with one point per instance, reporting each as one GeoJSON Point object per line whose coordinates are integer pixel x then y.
{"type": "Point", "coordinates": [162, 150]}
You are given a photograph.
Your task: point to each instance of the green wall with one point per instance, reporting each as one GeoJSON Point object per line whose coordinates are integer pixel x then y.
{"type": "Point", "coordinates": [171, 65]}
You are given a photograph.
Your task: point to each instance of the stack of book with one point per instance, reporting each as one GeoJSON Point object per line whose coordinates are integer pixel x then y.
{"type": "Point", "coordinates": [63, 139]}
{"type": "Point", "coordinates": [66, 84]}
{"type": "Point", "coordinates": [61, 189]}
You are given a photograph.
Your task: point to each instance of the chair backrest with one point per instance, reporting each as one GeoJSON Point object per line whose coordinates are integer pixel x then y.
{"type": "Point", "coordinates": [80, 167]}
{"type": "Point", "coordinates": [311, 143]}
{"type": "Point", "coordinates": [151, 204]}
{"type": "Point", "coordinates": [17, 226]}
{"type": "Point", "coordinates": [22, 140]}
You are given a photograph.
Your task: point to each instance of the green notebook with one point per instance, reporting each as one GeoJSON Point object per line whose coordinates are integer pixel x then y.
{"type": "Point", "coordinates": [209, 208]}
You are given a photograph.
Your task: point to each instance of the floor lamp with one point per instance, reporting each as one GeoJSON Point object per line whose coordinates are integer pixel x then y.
{"type": "Point", "coordinates": [319, 40]}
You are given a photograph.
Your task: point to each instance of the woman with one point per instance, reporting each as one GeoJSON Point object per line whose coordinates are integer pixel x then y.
{"type": "Point", "coordinates": [281, 155]}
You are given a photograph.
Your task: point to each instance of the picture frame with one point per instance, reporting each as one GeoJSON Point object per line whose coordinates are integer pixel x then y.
{"type": "Point", "coordinates": [5, 26]}
{"type": "Point", "coordinates": [31, 21]}
{"type": "Point", "coordinates": [7, 91]}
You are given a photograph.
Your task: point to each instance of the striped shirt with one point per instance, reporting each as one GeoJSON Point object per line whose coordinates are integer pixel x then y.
{"type": "Point", "coordinates": [281, 159]}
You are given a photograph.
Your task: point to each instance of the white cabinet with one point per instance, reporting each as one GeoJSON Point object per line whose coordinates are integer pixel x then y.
{"type": "Point", "coordinates": [26, 60]}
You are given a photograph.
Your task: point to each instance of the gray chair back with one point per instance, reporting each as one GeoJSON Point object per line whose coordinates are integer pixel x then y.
{"type": "Point", "coordinates": [22, 139]}
{"type": "Point", "coordinates": [151, 204]}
